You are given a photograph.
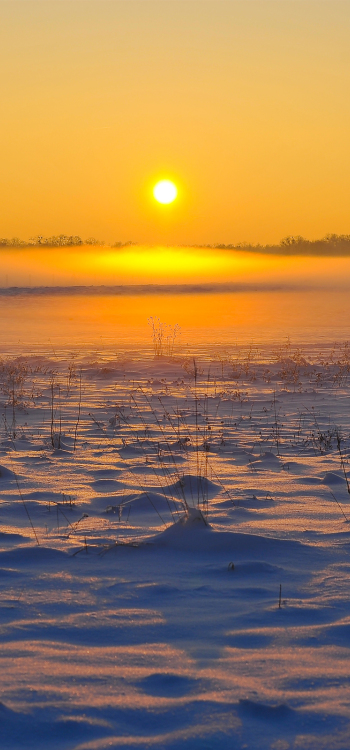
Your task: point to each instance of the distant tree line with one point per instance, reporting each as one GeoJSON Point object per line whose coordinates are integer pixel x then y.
{"type": "Point", "coordinates": [331, 244]}
{"type": "Point", "coordinates": [59, 240]}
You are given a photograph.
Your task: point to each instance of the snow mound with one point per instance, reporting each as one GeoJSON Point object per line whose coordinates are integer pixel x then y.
{"type": "Point", "coordinates": [171, 458]}
{"type": "Point", "coordinates": [279, 712]}
{"type": "Point", "coordinates": [333, 478]}
{"type": "Point", "coordinates": [187, 532]}
{"type": "Point", "coordinates": [19, 444]}
{"type": "Point", "coordinates": [192, 533]}
{"type": "Point", "coordinates": [267, 461]}
{"type": "Point", "coordinates": [168, 684]}
{"type": "Point", "coordinates": [193, 487]}
{"type": "Point", "coordinates": [6, 537]}
{"type": "Point", "coordinates": [150, 502]}
{"type": "Point", "coordinates": [295, 467]}
{"type": "Point", "coordinates": [231, 450]}
{"type": "Point", "coordinates": [6, 473]}
{"type": "Point", "coordinates": [307, 480]}
{"type": "Point", "coordinates": [43, 496]}
{"type": "Point", "coordinates": [107, 485]}
{"type": "Point", "coordinates": [269, 456]}
{"type": "Point", "coordinates": [182, 444]}
{"type": "Point", "coordinates": [255, 502]}
{"type": "Point", "coordinates": [105, 473]}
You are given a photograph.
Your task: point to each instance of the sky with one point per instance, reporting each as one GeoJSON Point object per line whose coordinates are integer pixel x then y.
{"type": "Point", "coordinates": [243, 103]}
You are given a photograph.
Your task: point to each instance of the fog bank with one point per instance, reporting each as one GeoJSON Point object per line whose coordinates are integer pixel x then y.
{"type": "Point", "coordinates": [86, 266]}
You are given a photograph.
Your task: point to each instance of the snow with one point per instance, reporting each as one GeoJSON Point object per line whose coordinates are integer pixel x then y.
{"type": "Point", "coordinates": [144, 541]}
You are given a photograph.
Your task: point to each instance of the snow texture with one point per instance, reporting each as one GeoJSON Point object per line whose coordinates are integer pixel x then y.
{"type": "Point", "coordinates": [174, 553]}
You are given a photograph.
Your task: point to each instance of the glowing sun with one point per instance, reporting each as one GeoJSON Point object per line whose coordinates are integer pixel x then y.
{"type": "Point", "coordinates": [165, 191]}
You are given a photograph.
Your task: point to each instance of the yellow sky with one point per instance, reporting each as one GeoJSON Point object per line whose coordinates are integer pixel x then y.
{"type": "Point", "coordinates": [244, 104]}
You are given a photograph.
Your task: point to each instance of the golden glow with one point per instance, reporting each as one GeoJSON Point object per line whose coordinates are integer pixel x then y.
{"type": "Point", "coordinates": [165, 265]}
{"type": "Point", "coordinates": [217, 319]}
{"type": "Point", "coordinates": [165, 192]}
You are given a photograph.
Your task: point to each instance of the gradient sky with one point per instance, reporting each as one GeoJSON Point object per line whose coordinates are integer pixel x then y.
{"type": "Point", "coordinates": [244, 104]}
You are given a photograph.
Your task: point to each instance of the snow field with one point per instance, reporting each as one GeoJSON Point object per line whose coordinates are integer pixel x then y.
{"type": "Point", "coordinates": [150, 511]}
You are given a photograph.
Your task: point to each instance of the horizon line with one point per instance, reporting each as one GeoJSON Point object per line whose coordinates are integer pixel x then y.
{"type": "Point", "coordinates": [140, 289]}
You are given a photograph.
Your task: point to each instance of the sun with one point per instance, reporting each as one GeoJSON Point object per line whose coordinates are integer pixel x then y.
{"type": "Point", "coordinates": [165, 191]}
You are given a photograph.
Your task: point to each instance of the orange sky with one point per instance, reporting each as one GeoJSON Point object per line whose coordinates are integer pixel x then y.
{"type": "Point", "coordinates": [243, 103]}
